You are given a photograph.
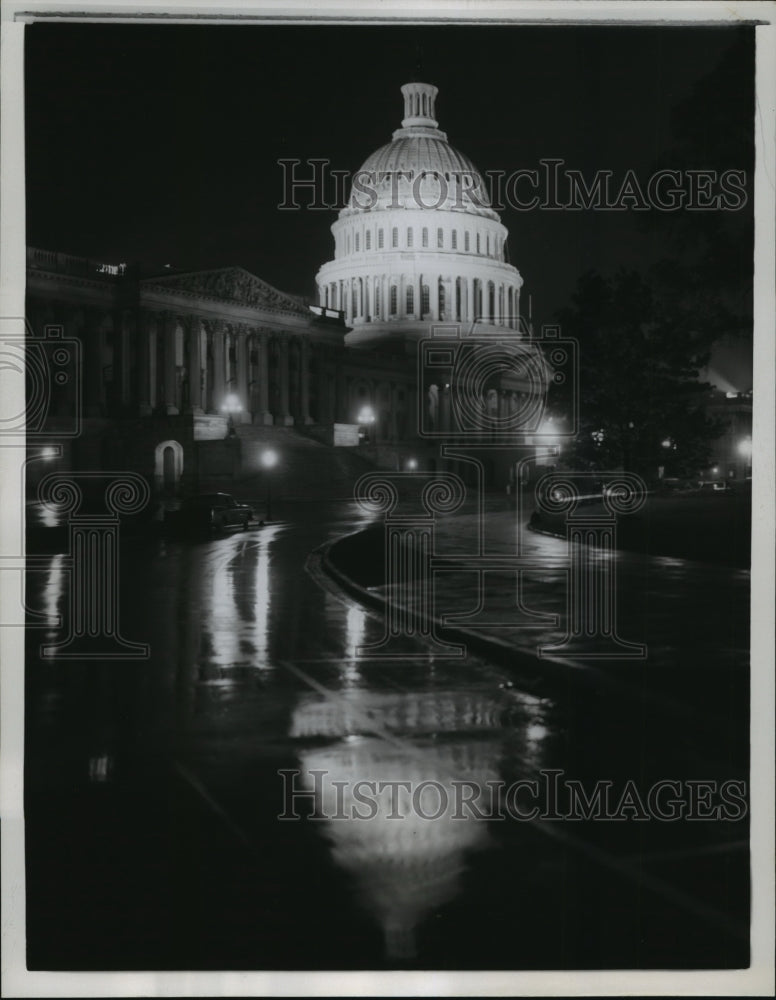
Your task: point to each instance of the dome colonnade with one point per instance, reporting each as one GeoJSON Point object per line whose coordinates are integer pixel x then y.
{"type": "Point", "coordinates": [418, 241]}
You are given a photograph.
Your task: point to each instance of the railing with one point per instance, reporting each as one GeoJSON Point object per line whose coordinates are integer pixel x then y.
{"type": "Point", "coordinates": [63, 263]}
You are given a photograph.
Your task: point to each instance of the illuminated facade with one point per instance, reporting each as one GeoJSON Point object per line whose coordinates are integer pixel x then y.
{"type": "Point", "coordinates": [418, 241]}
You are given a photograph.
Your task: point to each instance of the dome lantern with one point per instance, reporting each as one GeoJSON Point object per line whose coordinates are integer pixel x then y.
{"type": "Point", "coordinates": [419, 101]}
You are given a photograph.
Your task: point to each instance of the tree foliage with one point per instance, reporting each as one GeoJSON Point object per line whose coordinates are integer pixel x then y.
{"type": "Point", "coordinates": [638, 379]}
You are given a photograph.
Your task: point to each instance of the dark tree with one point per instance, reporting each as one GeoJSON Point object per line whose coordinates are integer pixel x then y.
{"type": "Point", "coordinates": [641, 404]}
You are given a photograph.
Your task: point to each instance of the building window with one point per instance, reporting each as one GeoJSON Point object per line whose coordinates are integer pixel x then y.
{"type": "Point", "coordinates": [454, 238]}
{"type": "Point", "coordinates": [394, 300]}
{"type": "Point", "coordinates": [377, 300]}
{"type": "Point", "coordinates": [353, 301]}
{"type": "Point", "coordinates": [487, 245]}
{"type": "Point", "coordinates": [380, 239]}
{"type": "Point", "coordinates": [368, 240]}
{"type": "Point", "coordinates": [424, 237]}
{"type": "Point", "coordinates": [358, 242]}
{"type": "Point", "coordinates": [394, 237]}
{"type": "Point", "coordinates": [442, 302]}
{"type": "Point", "coordinates": [466, 241]}
{"type": "Point", "coordinates": [479, 245]}
{"type": "Point", "coordinates": [409, 237]}
{"type": "Point", "coordinates": [425, 302]}
{"type": "Point", "coordinates": [440, 238]}
{"type": "Point", "coordinates": [410, 300]}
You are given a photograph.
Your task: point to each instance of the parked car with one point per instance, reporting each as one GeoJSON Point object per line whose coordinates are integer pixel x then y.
{"type": "Point", "coordinates": [210, 511]}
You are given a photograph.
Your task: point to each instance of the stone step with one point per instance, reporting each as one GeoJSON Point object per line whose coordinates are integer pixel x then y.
{"type": "Point", "coordinates": [305, 466]}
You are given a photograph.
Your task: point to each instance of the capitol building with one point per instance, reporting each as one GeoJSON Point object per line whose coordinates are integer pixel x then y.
{"type": "Point", "coordinates": [183, 376]}
{"type": "Point", "coordinates": [418, 242]}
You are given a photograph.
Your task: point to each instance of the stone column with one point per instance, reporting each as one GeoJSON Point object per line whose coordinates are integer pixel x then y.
{"type": "Point", "coordinates": [444, 407]}
{"type": "Point", "coordinates": [304, 380]}
{"type": "Point", "coordinates": [322, 416]}
{"type": "Point", "coordinates": [169, 326]}
{"type": "Point", "coordinates": [195, 365]}
{"type": "Point", "coordinates": [263, 416]}
{"type": "Point", "coordinates": [219, 365]}
{"type": "Point", "coordinates": [434, 294]}
{"type": "Point", "coordinates": [125, 327]}
{"type": "Point", "coordinates": [144, 364]}
{"type": "Point", "coordinates": [284, 418]}
{"type": "Point", "coordinates": [241, 372]}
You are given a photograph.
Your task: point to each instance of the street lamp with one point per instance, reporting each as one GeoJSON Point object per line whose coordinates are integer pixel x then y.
{"type": "Point", "coordinates": [230, 406]}
{"type": "Point", "coordinates": [269, 459]}
{"type": "Point", "coordinates": [745, 447]}
{"type": "Point", "coordinates": [412, 464]}
{"type": "Point", "coordinates": [366, 417]}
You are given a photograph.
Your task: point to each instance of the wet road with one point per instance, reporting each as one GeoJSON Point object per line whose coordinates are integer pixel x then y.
{"type": "Point", "coordinates": [153, 788]}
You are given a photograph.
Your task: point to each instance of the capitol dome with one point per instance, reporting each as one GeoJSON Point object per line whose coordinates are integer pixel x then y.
{"type": "Point", "coordinates": [418, 241]}
{"type": "Point", "coordinates": [419, 168]}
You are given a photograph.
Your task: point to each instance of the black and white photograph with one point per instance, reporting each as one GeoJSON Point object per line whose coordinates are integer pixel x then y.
{"type": "Point", "coordinates": [387, 504]}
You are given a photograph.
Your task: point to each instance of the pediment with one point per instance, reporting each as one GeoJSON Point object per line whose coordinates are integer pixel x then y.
{"type": "Point", "coordinates": [231, 284]}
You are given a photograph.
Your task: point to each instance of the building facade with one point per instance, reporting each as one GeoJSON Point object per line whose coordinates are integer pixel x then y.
{"type": "Point", "coordinates": [418, 242]}
{"type": "Point", "coordinates": [176, 369]}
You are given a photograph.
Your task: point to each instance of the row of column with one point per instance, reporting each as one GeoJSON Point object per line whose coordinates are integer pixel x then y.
{"type": "Point", "coordinates": [217, 360]}
{"type": "Point", "coordinates": [501, 404]}
{"type": "Point", "coordinates": [377, 298]}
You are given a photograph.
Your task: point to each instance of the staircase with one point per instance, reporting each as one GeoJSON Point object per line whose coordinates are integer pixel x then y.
{"type": "Point", "coordinates": [306, 469]}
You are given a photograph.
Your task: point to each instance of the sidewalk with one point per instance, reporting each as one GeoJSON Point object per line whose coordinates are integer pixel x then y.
{"type": "Point", "coordinates": [692, 617]}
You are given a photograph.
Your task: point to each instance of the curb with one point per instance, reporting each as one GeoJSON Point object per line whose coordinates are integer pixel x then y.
{"type": "Point", "coordinates": [533, 668]}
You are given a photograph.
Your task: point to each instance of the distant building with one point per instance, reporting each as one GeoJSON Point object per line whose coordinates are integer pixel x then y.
{"type": "Point", "coordinates": [181, 372]}
{"type": "Point", "coordinates": [732, 452]}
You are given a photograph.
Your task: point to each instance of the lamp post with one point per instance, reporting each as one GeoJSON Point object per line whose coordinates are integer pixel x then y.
{"type": "Point", "coordinates": [230, 406]}
{"type": "Point", "coordinates": [269, 459]}
{"type": "Point", "coordinates": [366, 418]}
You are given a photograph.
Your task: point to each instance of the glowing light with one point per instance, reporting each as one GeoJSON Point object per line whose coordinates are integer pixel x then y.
{"type": "Point", "coordinates": [667, 443]}
{"type": "Point", "coordinates": [366, 415]}
{"type": "Point", "coordinates": [745, 446]}
{"type": "Point", "coordinates": [412, 464]}
{"type": "Point", "coordinates": [231, 404]}
{"type": "Point", "coordinates": [269, 458]}
{"type": "Point", "coordinates": [49, 454]}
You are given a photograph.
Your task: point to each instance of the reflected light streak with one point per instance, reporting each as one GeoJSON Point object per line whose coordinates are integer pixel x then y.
{"type": "Point", "coordinates": [53, 594]}
{"type": "Point", "coordinates": [262, 599]}
{"type": "Point", "coordinates": [355, 625]}
{"type": "Point", "coordinates": [221, 614]}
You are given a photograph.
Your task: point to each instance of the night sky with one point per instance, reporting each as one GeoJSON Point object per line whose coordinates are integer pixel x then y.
{"type": "Point", "coordinates": [160, 143]}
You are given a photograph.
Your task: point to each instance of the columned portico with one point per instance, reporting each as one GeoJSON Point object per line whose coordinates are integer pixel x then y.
{"type": "Point", "coordinates": [169, 327]}
{"type": "Point", "coordinates": [195, 364]}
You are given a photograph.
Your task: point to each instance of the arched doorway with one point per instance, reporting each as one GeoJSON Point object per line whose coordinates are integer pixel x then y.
{"type": "Point", "coordinates": [168, 466]}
